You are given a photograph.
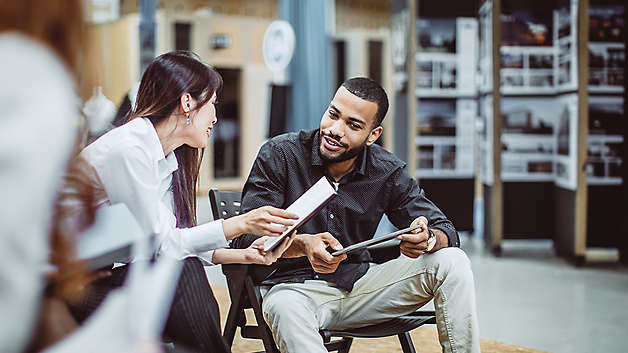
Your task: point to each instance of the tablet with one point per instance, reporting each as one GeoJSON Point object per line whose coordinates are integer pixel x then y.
{"type": "Point", "coordinates": [377, 240]}
{"type": "Point", "coordinates": [305, 207]}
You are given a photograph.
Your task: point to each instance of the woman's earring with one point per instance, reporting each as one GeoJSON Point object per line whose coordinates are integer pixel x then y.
{"type": "Point", "coordinates": [187, 120]}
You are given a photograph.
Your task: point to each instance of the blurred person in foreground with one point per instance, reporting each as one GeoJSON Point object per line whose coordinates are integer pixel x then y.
{"type": "Point", "coordinates": [39, 42]}
{"type": "Point", "coordinates": [39, 119]}
{"type": "Point", "coordinates": [341, 292]}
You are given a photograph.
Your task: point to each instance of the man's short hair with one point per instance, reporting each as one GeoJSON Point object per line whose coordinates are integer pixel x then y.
{"type": "Point", "coordinates": [371, 91]}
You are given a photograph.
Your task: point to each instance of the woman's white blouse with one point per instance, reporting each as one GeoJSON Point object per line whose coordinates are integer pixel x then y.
{"type": "Point", "coordinates": [128, 165]}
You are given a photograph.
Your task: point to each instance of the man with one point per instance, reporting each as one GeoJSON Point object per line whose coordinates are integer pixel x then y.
{"type": "Point", "coordinates": [313, 289]}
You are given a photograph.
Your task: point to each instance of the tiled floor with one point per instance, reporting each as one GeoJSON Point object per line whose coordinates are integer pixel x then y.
{"type": "Point", "coordinates": [529, 297]}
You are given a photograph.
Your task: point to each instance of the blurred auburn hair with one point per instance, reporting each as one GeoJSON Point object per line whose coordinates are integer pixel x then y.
{"type": "Point", "coordinates": [55, 23]}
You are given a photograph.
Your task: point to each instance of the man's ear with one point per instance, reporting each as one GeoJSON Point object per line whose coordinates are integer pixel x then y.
{"type": "Point", "coordinates": [186, 102]}
{"type": "Point", "coordinates": [374, 135]}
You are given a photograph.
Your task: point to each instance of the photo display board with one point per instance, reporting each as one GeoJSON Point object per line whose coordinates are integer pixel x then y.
{"type": "Point", "coordinates": [485, 88]}
{"type": "Point", "coordinates": [445, 143]}
{"type": "Point", "coordinates": [607, 60]}
{"type": "Point", "coordinates": [538, 51]}
{"type": "Point", "coordinates": [566, 156]}
{"type": "Point", "coordinates": [528, 138]}
{"type": "Point", "coordinates": [445, 58]}
{"type": "Point", "coordinates": [446, 90]}
{"type": "Point", "coordinates": [607, 54]}
{"type": "Point", "coordinates": [605, 140]}
{"type": "Point", "coordinates": [486, 139]}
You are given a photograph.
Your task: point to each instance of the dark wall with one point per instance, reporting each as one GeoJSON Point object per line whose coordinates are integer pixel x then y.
{"type": "Point", "coordinates": [565, 226]}
{"type": "Point", "coordinates": [528, 210]}
{"type": "Point", "coordinates": [488, 229]}
{"type": "Point", "coordinates": [606, 214]}
{"type": "Point", "coordinates": [454, 197]}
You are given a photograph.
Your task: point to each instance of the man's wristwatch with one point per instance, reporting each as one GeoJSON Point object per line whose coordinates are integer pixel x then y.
{"type": "Point", "coordinates": [431, 241]}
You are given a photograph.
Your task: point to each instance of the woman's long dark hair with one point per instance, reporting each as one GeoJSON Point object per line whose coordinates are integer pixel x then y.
{"type": "Point", "coordinates": [165, 80]}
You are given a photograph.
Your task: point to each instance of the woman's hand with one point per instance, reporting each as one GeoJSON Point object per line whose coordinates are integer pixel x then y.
{"type": "Point", "coordinates": [264, 221]}
{"type": "Point", "coordinates": [255, 253]}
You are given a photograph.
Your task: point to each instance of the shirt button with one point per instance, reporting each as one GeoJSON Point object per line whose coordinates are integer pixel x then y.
{"type": "Point", "coordinates": [331, 215]}
{"type": "Point", "coordinates": [315, 276]}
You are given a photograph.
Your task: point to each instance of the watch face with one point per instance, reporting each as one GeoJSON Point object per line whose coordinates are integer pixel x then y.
{"type": "Point", "coordinates": [431, 241]}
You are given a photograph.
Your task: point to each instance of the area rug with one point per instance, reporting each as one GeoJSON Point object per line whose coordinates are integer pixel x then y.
{"type": "Point", "coordinates": [425, 338]}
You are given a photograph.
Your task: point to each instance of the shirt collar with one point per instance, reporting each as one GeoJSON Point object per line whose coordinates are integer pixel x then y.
{"type": "Point", "coordinates": [317, 160]}
{"type": "Point", "coordinates": [166, 164]}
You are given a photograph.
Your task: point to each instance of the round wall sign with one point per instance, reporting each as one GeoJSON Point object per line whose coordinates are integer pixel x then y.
{"type": "Point", "coordinates": [278, 46]}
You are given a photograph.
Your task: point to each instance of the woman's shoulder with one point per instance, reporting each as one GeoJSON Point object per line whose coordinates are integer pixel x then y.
{"type": "Point", "coordinates": [121, 144]}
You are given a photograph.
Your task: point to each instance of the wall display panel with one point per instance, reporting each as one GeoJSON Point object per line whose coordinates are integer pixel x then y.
{"type": "Point", "coordinates": [485, 52]}
{"type": "Point", "coordinates": [445, 129]}
{"type": "Point", "coordinates": [607, 54]}
{"type": "Point", "coordinates": [526, 24]}
{"type": "Point", "coordinates": [486, 139]}
{"type": "Point", "coordinates": [565, 31]}
{"type": "Point", "coordinates": [527, 51]}
{"type": "Point", "coordinates": [527, 70]}
{"type": "Point", "coordinates": [400, 21]}
{"type": "Point", "coordinates": [528, 138]}
{"type": "Point", "coordinates": [605, 140]}
{"type": "Point", "coordinates": [445, 56]}
{"type": "Point", "coordinates": [567, 142]}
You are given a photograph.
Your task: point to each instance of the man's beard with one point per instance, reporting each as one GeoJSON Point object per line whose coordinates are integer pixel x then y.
{"type": "Point", "coordinates": [346, 155]}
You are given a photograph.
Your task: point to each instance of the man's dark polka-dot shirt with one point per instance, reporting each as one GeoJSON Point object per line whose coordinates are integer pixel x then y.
{"type": "Point", "coordinates": [287, 165]}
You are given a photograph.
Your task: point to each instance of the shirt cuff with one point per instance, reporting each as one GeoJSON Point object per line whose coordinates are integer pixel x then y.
{"type": "Point", "coordinates": [205, 237]}
{"type": "Point", "coordinates": [206, 257]}
{"type": "Point", "coordinates": [452, 235]}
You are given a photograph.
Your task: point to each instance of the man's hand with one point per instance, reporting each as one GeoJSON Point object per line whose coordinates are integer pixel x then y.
{"type": "Point", "coordinates": [315, 248]}
{"type": "Point", "coordinates": [413, 244]}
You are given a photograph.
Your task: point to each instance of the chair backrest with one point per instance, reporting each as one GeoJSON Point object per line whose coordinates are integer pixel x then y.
{"type": "Point", "coordinates": [224, 204]}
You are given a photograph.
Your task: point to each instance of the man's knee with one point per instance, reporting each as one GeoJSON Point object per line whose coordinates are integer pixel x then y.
{"type": "Point", "coordinates": [286, 306]}
{"type": "Point", "coordinates": [453, 262]}
{"type": "Point", "coordinates": [276, 305]}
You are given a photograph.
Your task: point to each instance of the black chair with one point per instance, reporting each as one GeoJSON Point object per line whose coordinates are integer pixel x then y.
{"type": "Point", "coordinates": [243, 284]}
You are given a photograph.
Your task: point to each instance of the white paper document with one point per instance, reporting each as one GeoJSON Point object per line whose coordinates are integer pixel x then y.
{"type": "Point", "coordinates": [304, 207]}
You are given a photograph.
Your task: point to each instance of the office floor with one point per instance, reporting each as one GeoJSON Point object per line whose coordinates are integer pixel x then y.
{"type": "Point", "coordinates": [530, 298]}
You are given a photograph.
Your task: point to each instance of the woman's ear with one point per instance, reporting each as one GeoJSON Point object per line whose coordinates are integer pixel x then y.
{"type": "Point", "coordinates": [186, 102]}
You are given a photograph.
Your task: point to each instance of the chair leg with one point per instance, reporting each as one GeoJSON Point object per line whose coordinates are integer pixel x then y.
{"type": "Point", "coordinates": [347, 345]}
{"type": "Point", "coordinates": [232, 319]}
{"type": "Point", "coordinates": [256, 302]}
{"type": "Point", "coordinates": [406, 342]}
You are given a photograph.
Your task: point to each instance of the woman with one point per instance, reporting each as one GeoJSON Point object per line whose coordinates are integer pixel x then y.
{"type": "Point", "coordinates": [151, 164]}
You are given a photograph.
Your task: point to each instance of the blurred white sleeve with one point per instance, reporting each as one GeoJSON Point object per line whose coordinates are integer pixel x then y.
{"type": "Point", "coordinates": [38, 123]}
